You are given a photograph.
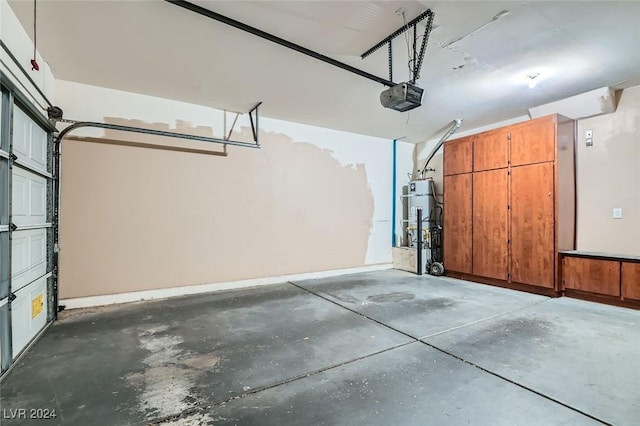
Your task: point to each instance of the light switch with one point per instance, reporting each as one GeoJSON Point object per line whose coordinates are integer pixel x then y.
{"type": "Point", "coordinates": [588, 137]}
{"type": "Point", "coordinates": [617, 213]}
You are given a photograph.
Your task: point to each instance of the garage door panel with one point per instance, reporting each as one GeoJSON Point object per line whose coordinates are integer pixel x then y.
{"type": "Point", "coordinates": [28, 257]}
{"type": "Point", "coordinates": [21, 133]}
{"type": "Point", "coordinates": [26, 241]}
{"type": "Point", "coordinates": [29, 141]}
{"type": "Point", "coordinates": [20, 195]}
{"type": "Point", "coordinates": [4, 193]}
{"type": "Point", "coordinates": [38, 198]}
{"type": "Point", "coordinates": [28, 314]}
{"type": "Point", "coordinates": [38, 149]}
{"type": "Point", "coordinates": [29, 198]}
{"type": "Point", "coordinates": [4, 262]}
{"type": "Point", "coordinates": [5, 332]}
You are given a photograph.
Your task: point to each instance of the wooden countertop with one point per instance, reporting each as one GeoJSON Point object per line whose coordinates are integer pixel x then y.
{"type": "Point", "coordinates": [597, 255]}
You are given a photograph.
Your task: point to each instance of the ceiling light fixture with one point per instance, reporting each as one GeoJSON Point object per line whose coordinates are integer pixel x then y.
{"type": "Point", "coordinates": [533, 79]}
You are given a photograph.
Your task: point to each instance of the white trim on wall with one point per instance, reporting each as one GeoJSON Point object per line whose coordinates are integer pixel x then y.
{"type": "Point", "coordinates": [135, 296]}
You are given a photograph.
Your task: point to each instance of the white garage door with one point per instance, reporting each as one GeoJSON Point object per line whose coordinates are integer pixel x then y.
{"type": "Point", "coordinates": [25, 228]}
{"type": "Point", "coordinates": [5, 265]}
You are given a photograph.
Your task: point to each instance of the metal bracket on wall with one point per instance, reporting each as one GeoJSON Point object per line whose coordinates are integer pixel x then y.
{"type": "Point", "coordinates": [254, 124]}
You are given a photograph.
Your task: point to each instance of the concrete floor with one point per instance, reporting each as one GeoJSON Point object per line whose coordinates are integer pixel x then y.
{"type": "Point", "coordinates": [379, 348]}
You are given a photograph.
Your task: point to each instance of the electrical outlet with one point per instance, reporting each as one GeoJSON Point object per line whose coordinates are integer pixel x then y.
{"type": "Point", "coordinates": [617, 213]}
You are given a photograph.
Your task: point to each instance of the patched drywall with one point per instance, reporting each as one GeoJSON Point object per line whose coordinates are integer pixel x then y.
{"type": "Point", "coordinates": [138, 219]}
{"type": "Point", "coordinates": [609, 177]}
{"type": "Point", "coordinates": [311, 199]}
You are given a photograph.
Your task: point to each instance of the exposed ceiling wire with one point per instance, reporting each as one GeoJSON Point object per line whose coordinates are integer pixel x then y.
{"type": "Point", "coordinates": [34, 62]}
{"type": "Point", "coordinates": [407, 39]}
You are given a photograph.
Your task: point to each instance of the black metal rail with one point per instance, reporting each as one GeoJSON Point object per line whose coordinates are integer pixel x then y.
{"type": "Point", "coordinates": [396, 33]}
{"type": "Point", "coordinates": [282, 42]}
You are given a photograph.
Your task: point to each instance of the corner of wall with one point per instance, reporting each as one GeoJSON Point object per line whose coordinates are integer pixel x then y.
{"type": "Point", "coordinates": [20, 46]}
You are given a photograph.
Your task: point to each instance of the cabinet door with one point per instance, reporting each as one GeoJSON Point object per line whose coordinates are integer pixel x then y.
{"type": "Point", "coordinates": [533, 141]}
{"type": "Point", "coordinates": [591, 275]}
{"type": "Point", "coordinates": [532, 225]}
{"type": "Point", "coordinates": [490, 224]}
{"type": "Point", "coordinates": [458, 156]}
{"type": "Point", "coordinates": [631, 280]}
{"type": "Point", "coordinates": [491, 150]}
{"type": "Point", "coordinates": [457, 223]}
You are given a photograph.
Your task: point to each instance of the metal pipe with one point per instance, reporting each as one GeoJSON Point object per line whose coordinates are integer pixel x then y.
{"type": "Point", "coordinates": [80, 124]}
{"type": "Point", "coordinates": [393, 193]}
{"type": "Point", "coordinates": [282, 42]}
{"type": "Point", "coordinates": [419, 240]}
{"type": "Point", "coordinates": [233, 125]}
{"type": "Point", "coordinates": [456, 125]}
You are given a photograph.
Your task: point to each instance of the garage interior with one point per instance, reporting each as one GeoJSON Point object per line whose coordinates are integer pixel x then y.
{"type": "Point", "coordinates": [312, 212]}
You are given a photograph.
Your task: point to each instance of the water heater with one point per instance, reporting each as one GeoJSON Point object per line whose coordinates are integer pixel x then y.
{"type": "Point", "coordinates": [419, 194]}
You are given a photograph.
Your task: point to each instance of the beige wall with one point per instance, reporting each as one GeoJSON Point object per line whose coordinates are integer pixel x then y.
{"type": "Point", "coordinates": [137, 218]}
{"type": "Point", "coordinates": [609, 177]}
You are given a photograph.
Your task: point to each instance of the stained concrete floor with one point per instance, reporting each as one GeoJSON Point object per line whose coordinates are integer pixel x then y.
{"type": "Point", "coordinates": [378, 348]}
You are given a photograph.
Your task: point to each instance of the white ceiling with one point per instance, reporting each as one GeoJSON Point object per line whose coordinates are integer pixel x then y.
{"type": "Point", "coordinates": [475, 66]}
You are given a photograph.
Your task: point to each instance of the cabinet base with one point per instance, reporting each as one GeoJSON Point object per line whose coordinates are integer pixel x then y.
{"type": "Point", "coordinates": [601, 298]}
{"type": "Point", "coordinates": [505, 284]}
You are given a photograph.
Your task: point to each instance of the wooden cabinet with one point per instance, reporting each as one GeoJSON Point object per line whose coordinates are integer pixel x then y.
{"type": "Point", "coordinates": [457, 223]}
{"type": "Point", "coordinates": [532, 212]}
{"type": "Point", "coordinates": [522, 204]}
{"type": "Point", "coordinates": [630, 276]}
{"type": "Point", "coordinates": [491, 150]}
{"type": "Point", "coordinates": [459, 156]}
{"type": "Point", "coordinates": [592, 275]}
{"type": "Point", "coordinates": [601, 277]}
{"type": "Point", "coordinates": [533, 141]}
{"type": "Point", "coordinates": [490, 224]}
